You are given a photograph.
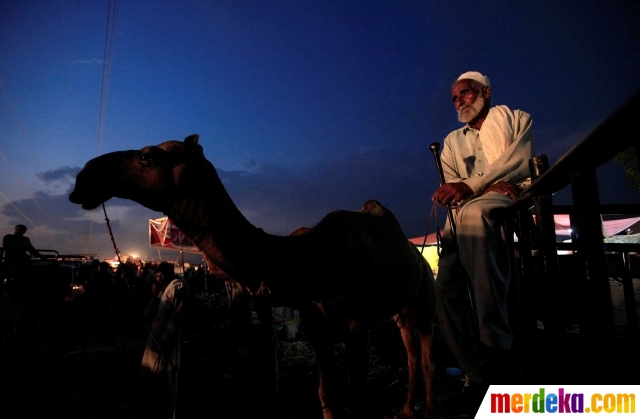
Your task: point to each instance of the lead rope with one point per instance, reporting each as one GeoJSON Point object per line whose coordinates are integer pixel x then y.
{"type": "Point", "coordinates": [113, 241]}
{"type": "Point", "coordinates": [434, 214]}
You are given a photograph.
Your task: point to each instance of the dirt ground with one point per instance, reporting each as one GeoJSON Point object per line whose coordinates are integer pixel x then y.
{"type": "Point", "coordinates": [81, 372]}
{"type": "Point", "coordinates": [96, 376]}
{"type": "Point", "coordinates": [75, 369]}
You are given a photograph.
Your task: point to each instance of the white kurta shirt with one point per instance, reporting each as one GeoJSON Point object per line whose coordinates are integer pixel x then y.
{"type": "Point", "coordinates": [499, 151]}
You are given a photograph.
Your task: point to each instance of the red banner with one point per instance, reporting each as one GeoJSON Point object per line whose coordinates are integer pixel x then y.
{"type": "Point", "coordinates": [164, 234]}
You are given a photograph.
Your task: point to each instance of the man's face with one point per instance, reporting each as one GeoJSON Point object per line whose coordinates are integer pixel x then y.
{"type": "Point", "coordinates": [467, 101]}
{"type": "Point", "coordinates": [19, 231]}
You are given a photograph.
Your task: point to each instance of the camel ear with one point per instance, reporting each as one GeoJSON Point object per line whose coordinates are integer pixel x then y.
{"type": "Point", "coordinates": [190, 144]}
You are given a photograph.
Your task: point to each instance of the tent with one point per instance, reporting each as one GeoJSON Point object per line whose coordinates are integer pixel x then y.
{"type": "Point", "coordinates": [562, 225]}
{"type": "Point", "coordinates": [429, 250]}
{"type": "Point", "coordinates": [611, 227]}
{"type": "Point", "coordinates": [164, 234]}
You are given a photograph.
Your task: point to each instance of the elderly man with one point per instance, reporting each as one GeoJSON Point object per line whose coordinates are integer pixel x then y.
{"type": "Point", "coordinates": [485, 164]}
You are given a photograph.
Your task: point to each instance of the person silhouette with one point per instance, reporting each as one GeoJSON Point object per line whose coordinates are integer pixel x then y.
{"type": "Point", "coordinates": [18, 248]}
{"type": "Point", "coordinates": [18, 252]}
{"type": "Point", "coordinates": [161, 358]}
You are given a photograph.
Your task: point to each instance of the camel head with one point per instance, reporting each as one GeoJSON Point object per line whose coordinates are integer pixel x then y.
{"type": "Point", "coordinates": [150, 176]}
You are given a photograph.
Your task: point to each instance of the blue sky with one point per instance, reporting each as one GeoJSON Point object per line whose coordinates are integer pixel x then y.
{"type": "Point", "coordinates": [304, 107]}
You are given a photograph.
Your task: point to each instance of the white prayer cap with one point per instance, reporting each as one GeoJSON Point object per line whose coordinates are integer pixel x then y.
{"type": "Point", "coordinates": [474, 75]}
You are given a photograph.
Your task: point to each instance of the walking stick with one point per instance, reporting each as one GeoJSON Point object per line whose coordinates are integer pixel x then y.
{"type": "Point", "coordinates": [435, 148]}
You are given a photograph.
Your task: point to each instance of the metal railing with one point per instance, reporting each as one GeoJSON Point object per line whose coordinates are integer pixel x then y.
{"type": "Point", "coordinates": [577, 168]}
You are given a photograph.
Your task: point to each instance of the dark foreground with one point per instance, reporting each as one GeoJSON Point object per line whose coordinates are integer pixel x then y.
{"type": "Point", "coordinates": [80, 372]}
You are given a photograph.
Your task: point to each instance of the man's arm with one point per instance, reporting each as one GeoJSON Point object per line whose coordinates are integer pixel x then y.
{"type": "Point", "coordinates": [451, 193]}
{"type": "Point", "coordinates": [504, 188]}
{"type": "Point", "coordinates": [510, 168]}
{"type": "Point", "coordinates": [32, 250]}
{"type": "Point", "coordinates": [455, 189]}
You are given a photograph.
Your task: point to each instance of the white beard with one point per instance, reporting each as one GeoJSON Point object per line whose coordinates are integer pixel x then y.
{"type": "Point", "coordinates": [467, 114]}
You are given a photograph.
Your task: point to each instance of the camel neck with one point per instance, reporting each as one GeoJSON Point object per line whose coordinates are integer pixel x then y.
{"type": "Point", "coordinates": [224, 235]}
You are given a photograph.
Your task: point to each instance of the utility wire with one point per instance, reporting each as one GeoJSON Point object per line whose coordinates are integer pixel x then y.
{"type": "Point", "coordinates": [17, 209]}
{"type": "Point", "coordinates": [24, 134]}
{"type": "Point", "coordinates": [105, 82]}
{"type": "Point", "coordinates": [22, 182]}
{"type": "Point", "coordinates": [106, 71]}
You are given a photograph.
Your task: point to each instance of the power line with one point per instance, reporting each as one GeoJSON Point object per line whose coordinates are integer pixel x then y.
{"type": "Point", "coordinates": [21, 181]}
{"type": "Point", "coordinates": [24, 134]}
{"type": "Point", "coordinates": [112, 9]}
{"type": "Point", "coordinates": [18, 209]}
{"type": "Point", "coordinates": [15, 172]}
{"type": "Point", "coordinates": [107, 60]}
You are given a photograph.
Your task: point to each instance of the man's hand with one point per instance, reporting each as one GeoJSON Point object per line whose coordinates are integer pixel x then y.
{"type": "Point", "coordinates": [451, 193]}
{"type": "Point", "coordinates": [504, 188]}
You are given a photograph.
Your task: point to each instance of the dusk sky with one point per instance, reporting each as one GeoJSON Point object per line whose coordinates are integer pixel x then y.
{"type": "Point", "coordinates": [304, 107]}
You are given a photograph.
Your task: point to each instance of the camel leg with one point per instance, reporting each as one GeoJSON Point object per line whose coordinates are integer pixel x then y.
{"type": "Point", "coordinates": [427, 370]}
{"type": "Point", "coordinates": [357, 360]}
{"type": "Point", "coordinates": [407, 324]}
{"type": "Point", "coordinates": [412, 333]}
{"type": "Point", "coordinates": [317, 328]}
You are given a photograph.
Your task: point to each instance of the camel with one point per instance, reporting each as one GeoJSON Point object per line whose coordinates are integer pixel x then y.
{"type": "Point", "coordinates": [355, 267]}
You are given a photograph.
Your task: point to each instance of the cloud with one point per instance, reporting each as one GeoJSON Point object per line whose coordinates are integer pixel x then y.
{"type": "Point", "coordinates": [62, 173]}
{"type": "Point", "coordinates": [67, 228]}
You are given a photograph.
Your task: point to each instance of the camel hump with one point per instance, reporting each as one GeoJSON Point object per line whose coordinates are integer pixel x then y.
{"type": "Point", "coordinates": [373, 207]}
{"type": "Point", "coordinates": [300, 231]}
